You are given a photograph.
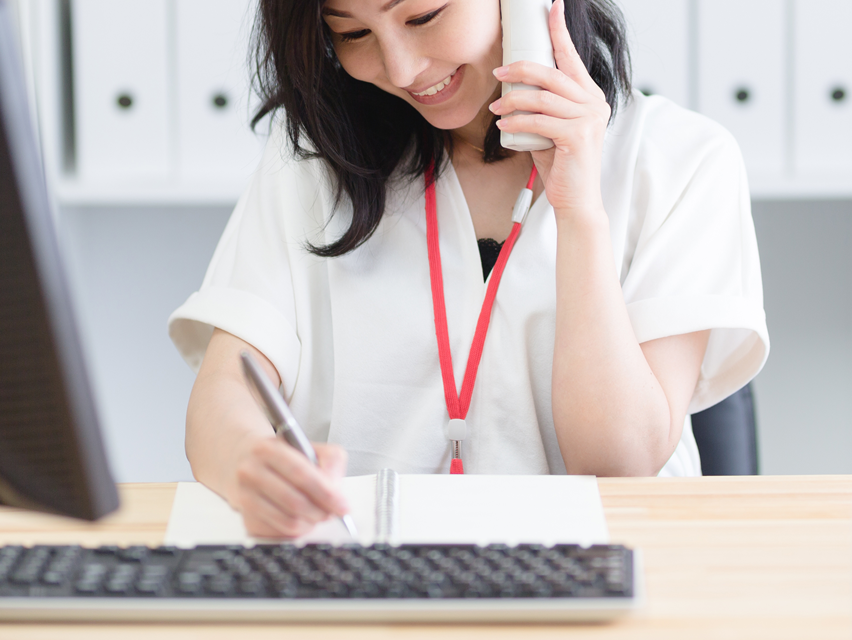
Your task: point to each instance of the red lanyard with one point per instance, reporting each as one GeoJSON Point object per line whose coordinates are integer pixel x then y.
{"type": "Point", "coordinates": [458, 405]}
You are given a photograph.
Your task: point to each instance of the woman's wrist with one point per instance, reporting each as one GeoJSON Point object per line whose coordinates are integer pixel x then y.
{"type": "Point", "coordinates": [585, 220]}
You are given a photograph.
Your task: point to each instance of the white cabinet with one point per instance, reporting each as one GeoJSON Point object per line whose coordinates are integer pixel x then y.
{"type": "Point", "coordinates": [121, 89]}
{"type": "Point", "coordinates": [213, 78]}
{"type": "Point", "coordinates": [659, 35]}
{"type": "Point", "coordinates": [160, 110]}
{"type": "Point", "coordinates": [823, 87]}
{"type": "Point", "coordinates": [742, 76]}
{"type": "Point", "coordinates": [161, 102]}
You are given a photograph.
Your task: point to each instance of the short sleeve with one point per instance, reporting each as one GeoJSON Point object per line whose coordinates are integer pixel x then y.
{"type": "Point", "coordinates": [695, 262]}
{"type": "Point", "coordinates": [248, 289]}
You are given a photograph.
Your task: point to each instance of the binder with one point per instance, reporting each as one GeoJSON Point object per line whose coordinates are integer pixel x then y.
{"type": "Point", "coordinates": [426, 509]}
{"type": "Point", "coordinates": [658, 32]}
{"type": "Point", "coordinates": [121, 89]}
{"type": "Point", "coordinates": [213, 84]}
{"type": "Point", "coordinates": [823, 87]}
{"type": "Point", "coordinates": [742, 76]}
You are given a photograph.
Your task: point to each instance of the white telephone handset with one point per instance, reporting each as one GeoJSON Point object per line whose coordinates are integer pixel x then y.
{"type": "Point", "coordinates": [526, 36]}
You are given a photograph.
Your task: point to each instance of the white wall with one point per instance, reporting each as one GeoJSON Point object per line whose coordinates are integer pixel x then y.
{"type": "Point", "coordinates": [804, 394]}
{"type": "Point", "coordinates": [130, 268]}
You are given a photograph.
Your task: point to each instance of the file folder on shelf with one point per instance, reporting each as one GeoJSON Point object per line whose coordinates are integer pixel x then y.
{"type": "Point", "coordinates": [121, 89]}
{"type": "Point", "coordinates": [742, 79]}
{"type": "Point", "coordinates": [659, 46]}
{"type": "Point", "coordinates": [823, 87]}
{"type": "Point", "coordinates": [213, 85]}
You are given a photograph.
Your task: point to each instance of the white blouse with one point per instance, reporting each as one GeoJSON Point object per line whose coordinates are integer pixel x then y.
{"type": "Point", "coordinates": [353, 337]}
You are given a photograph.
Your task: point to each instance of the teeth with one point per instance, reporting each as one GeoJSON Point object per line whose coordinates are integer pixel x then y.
{"type": "Point", "coordinates": [431, 91]}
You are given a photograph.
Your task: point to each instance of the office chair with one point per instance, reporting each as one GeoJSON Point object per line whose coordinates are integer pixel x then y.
{"type": "Point", "coordinates": [726, 435]}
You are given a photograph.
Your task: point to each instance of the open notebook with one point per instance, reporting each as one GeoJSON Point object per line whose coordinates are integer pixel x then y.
{"type": "Point", "coordinates": [387, 507]}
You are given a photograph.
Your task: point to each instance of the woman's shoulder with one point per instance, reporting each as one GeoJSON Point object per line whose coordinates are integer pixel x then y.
{"type": "Point", "coordinates": [283, 168]}
{"type": "Point", "coordinates": [664, 129]}
{"type": "Point", "coordinates": [658, 146]}
{"type": "Point", "coordinates": [281, 161]}
{"type": "Point", "coordinates": [287, 185]}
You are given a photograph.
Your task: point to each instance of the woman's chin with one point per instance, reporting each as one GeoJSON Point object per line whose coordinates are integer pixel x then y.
{"type": "Point", "coordinates": [450, 121]}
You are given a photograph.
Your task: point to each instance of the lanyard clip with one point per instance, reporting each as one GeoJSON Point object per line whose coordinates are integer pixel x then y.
{"type": "Point", "coordinates": [456, 432]}
{"type": "Point", "coordinates": [522, 206]}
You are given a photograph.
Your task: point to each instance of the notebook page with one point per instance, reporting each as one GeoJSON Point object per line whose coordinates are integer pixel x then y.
{"type": "Point", "coordinates": [200, 516]}
{"type": "Point", "coordinates": [479, 509]}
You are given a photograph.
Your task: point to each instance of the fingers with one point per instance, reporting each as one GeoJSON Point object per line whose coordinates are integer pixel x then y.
{"type": "Point", "coordinates": [283, 496]}
{"type": "Point", "coordinates": [308, 479]}
{"type": "Point", "coordinates": [332, 460]}
{"type": "Point", "coordinates": [537, 102]}
{"type": "Point", "coordinates": [565, 54]}
{"type": "Point", "coordinates": [567, 133]}
{"type": "Point", "coordinates": [280, 493]}
{"type": "Point", "coordinates": [263, 519]}
{"type": "Point", "coordinates": [569, 79]}
{"type": "Point", "coordinates": [548, 78]}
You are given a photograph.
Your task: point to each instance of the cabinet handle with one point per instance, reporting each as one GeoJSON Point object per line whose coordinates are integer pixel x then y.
{"type": "Point", "coordinates": [220, 101]}
{"type": "Point", "coordinates": [742, 95]}
{"type": "Point", "coordinates": [838, 94]}
{"type": "Point", "coordinates": [124, 100]}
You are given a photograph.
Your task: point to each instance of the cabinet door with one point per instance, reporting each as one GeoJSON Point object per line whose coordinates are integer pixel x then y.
{"type": "Point", "coordinates": [658, 32]}
{"type": "Point", "coordinates": [742, 76]}
{"type": "Point", "coordinates": [823, 87]}
{"type": "Point", "coordinates": [213, 84]}
{"type": "Point", "coordinates": [121, 89]}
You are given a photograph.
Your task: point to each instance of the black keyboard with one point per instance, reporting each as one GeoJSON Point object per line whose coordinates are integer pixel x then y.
{"type": "Point", "coordinates": [318, 582]}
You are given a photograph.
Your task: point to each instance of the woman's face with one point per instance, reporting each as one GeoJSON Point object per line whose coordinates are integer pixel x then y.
{"type": "Point", "coordinates": [437, 55]}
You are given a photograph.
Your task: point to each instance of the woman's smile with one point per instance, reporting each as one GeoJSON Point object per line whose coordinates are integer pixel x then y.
{"type": "Point", "coordinates": [442, 91]}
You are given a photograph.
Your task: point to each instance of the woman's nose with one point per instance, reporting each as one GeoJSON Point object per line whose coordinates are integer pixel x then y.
{"type": "Point", "coordinates": [403, 63]}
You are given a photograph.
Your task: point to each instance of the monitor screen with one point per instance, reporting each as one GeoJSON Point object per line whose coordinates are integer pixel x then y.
{"type": "Point", "coordinates": [51, 453]}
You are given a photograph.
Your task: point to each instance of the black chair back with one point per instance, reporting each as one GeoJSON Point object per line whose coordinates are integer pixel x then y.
{"type": "Point", "coordinates": [726, 434]}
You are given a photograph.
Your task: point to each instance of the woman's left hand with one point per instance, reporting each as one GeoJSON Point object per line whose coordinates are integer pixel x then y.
{"type": "Point", "coordinates": [571, 109]}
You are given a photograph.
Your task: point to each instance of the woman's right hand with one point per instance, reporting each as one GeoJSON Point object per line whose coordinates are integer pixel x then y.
{"type": "Point", "coordinates": [234, 451]}
{"type": "Point", "coordinates": [280, 493]}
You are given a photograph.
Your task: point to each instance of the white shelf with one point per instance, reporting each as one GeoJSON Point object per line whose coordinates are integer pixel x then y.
{"type": "Point", "coordinates": [225, 191]}
{"type": "Point", "coordinates": [218, 192]}
{"type": "Point", "coordinates": [789, 187]}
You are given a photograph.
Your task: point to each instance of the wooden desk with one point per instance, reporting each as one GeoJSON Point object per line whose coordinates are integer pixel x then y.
{"type": "Point", "coordinates": [765, 557]}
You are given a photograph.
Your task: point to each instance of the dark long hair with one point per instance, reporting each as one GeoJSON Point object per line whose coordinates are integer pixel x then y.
{"type": "Point", "coordinates": [363, 133]}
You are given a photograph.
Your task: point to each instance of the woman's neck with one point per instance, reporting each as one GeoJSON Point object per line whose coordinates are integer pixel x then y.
{"type": "Point", "coordinates": [472, 135]}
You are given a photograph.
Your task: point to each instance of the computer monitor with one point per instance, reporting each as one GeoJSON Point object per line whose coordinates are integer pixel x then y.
{"type": "Point", "coordinates": [51, 453]}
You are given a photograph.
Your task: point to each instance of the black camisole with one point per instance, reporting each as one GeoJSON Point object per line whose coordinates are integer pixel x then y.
{"type": "Point", "coordinates": [489, 250]}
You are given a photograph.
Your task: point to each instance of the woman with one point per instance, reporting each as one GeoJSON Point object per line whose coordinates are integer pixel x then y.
{"type": "Point", "coordinates": [631, 299]}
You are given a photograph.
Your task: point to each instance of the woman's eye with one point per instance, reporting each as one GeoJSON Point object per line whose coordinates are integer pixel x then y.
{"type": "Point", "coordinates": [357, 35]}
{"type": "Point", "coordinates": [353, 35]}
{"type": "Point", "coordinates": [424, 19]}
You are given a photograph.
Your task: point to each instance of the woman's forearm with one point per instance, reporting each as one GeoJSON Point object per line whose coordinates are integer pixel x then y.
{"type": "Point", "coordinates": [222, 415]}
{"type": "Point", "coordinates": [611, 414]}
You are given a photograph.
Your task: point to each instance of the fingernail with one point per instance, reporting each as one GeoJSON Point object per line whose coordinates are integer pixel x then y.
{"type": "Point", "coordinates": [494, 106]}
{"type": "Point", "coordinates": [499, 124]}
{"type": "Point", "coordinates": [501, 72]}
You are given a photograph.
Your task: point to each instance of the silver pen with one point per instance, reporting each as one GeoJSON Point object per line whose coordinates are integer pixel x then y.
{"type": "Point", "coordinates": [283, 420]}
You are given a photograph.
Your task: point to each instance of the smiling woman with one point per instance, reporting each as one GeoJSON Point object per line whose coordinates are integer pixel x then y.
{"type": "Point", "coordinates": [347, 74]}
{"type": "Point", "coordinates": [626, 294]}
